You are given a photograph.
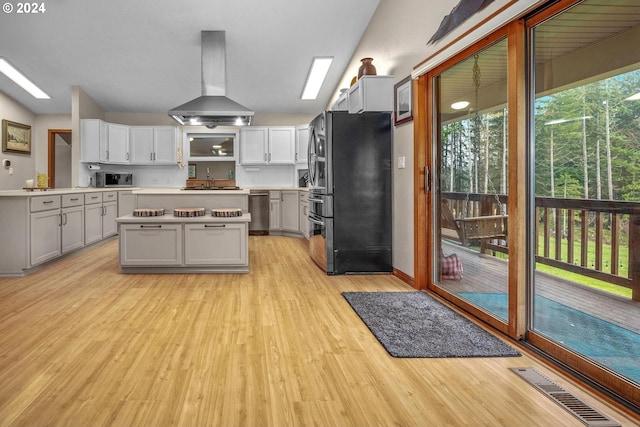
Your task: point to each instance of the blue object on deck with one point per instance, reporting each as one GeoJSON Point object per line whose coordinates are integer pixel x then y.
{"type": "Point", "coordinates": [608, 344]}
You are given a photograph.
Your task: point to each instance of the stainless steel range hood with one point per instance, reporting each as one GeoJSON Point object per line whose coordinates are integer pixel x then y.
{"type": "Point", "coordinates": [213, 108]}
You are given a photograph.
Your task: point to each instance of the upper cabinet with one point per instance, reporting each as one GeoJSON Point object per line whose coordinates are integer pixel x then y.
{"type": "Point", "coordinates": [118, 148]}
{"type": "Point", "coordinates": [369, 93]}
{"type": "Point", "coordinates": [302, 144]}
{"type": "Point", "coordinates": [268, 145]}
{"type": "Point", "coordinates": [103, 142]}
{"type": "Point", "coordinates": [93, 134]}
{"type": "Point", "coordinates": [153, 145]}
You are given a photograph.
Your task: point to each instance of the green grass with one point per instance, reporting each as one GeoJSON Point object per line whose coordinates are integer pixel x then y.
{"type": "Point", "coordinates": [623, 262]}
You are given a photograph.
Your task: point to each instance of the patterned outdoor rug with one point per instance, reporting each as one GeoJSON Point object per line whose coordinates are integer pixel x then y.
{"type": "Point", "coordinates": [413, 324]}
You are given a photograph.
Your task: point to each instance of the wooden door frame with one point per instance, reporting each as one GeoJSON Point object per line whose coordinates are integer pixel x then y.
{"type": "Point", "coordinates": [51, 156]}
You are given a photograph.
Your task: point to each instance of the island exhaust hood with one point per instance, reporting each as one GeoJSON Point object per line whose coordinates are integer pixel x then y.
{"type": "Point", "coordinates": [213, 108]}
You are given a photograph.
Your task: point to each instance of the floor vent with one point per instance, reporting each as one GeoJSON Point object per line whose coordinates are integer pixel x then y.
{"type": "Point", "coordinates": [585, 413]}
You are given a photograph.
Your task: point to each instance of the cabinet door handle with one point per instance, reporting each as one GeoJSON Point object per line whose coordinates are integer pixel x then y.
{"type": "Point", "coordinates": [127, 156]}
{"type": "Point", "coordinates": [64, 222]}
{"type": "Point", "coordinates": [265, 157]}
{"type": "Point", "coordinates": [107, 154]}
{"type": "Point", "coordinates": [46, 202]}
{"type": "Point", "coordinates": [74, 200]}
{"type": "Point", "coordinates": [104, 210]}
{"type": "Point", "coordinates": [215, 226]}
{"type": "Point", "coordinates": [151, 226]}
{"type": "Point", "coordinates": [60, 218]}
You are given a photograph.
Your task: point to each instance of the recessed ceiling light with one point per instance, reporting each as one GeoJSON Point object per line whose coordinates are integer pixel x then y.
{"type": "Point", "coordinates": [317, 74]}
{"type": "Point", "coordinates": [21, 80]}
{"type": "Point", "coordinates": [460, 105]}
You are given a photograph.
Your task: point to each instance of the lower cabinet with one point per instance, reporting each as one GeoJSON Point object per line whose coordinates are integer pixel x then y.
{"type": "Point", "coordinates": [150, 244]}
{"type": "Point", "coordinates": [215, 244]}
{"type": "Point", "coordinates": [290, 215]}
{"type": "Point", "coordinates": [92, 223]}
{"type": "Point", "coordinates": [184, 244]}
{"type": "Point", "coordinates": [100, 217]}
{"type": "Point", "coordinates": [72, 228]}
{"type": "Point", "coordinates": [46, 236]}
{"type": "Point", "coordinates": [109, 215]}
{"type": "Point", "coordinates": [284, 211]}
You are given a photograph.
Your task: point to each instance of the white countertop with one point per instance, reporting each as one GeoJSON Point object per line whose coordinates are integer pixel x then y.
{"type": "Point", "coordinates": [138, 190]}
{"type": "Point", "coordinates": [55, 191]}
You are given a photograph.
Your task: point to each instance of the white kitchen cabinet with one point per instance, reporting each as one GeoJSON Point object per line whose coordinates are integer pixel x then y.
{"type": "Point", "coordinates": [304, 214]}
{"type": "Point", "coordinates": [92, 223]}
{"type": "Point", "coordinates": [109, 215]}
{"type": "Point", "coordinates": [150, 244]}
{"type": "Point", "coordinates": [302, 144]}
{"type": "Point", "coordinates": [284, 211]}
{"type": "Point", "coordinates": [141, 144]}
{"type": "Point", "coordinates": [100, 213]}
{"type": "Point", "coordinates": [253, 145]}
{"type": "Point", "coordinates": [290, 211]}
{"type": "Point", "coordinates": [118, 147]}
{"type": "Point", "coordinates": [371, 93]}
{"type": "Point", "coordinates": [342, 103]}
{"type": "Point", "coordinates": [215, 244]}
{"type": "Point", "coordinates": [267, 145]}
{"type": "Point", "coordinates": [153, 145]}
{"type": "Point", "coordinates": [72, 222]}
{"type": "Point", "coordinates": [46, 236]}
{"type": "Point", "coordinates": [274, 211]}
{"type": "Point", "coordinates": [93, 141]}
{"type": "Point", "coordinates": [45, 233]}
{"type": "Point", "coordinates": [282, 149]}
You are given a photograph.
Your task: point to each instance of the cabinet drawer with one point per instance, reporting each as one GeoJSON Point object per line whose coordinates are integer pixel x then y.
{"type": "Point", "coordinates": [215, 244]}
{"type": "Point", "coordinates": [44, 203]}
{"type": "Point", "coordinates": [91, 198]}
{"type": "Point", "coordinates": [69, 200]}
{"type": "Point", "coordinates": [151, 245]}
{"type": "Point", "coordinates": [110, 196]}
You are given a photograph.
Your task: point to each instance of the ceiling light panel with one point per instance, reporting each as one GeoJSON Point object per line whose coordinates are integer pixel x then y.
{"type": "Point", "coordinates": [21, 80]}
{"type": "Point", "coordinates": [317, 73]}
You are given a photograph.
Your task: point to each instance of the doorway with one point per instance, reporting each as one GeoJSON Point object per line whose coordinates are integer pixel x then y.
{"type": "Point", "coordinates": [59, 158]}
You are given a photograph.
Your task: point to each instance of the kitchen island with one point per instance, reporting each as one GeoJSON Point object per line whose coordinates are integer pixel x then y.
{"type": "Point", "coordinates": [170, 244]}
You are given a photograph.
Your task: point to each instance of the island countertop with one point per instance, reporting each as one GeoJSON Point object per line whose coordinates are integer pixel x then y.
{"type": "Point", "coordinates": [169, 218]}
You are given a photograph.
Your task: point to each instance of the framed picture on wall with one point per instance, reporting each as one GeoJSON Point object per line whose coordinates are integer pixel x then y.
{"type": "Point", "coordinates": [16, 137]}
{"type": "Point", "coordinates": [192, 171]}
{"type": "Point", "coordinates": [403, 101]}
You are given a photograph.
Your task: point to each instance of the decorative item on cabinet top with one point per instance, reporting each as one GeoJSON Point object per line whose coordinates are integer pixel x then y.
{"type": "Point", "coordinates": [367, 68]}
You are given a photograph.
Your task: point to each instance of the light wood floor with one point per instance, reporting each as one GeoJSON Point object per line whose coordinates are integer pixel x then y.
{"type": "Point", "coordinates": [83, 345]}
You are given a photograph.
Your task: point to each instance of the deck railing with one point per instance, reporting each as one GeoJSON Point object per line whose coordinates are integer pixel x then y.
{"type": "Point", "coordinates": [594, 238]}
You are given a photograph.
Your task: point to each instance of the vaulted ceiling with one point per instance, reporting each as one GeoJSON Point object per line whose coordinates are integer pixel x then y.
{"type": "Point", "coordinates": [143, 56]}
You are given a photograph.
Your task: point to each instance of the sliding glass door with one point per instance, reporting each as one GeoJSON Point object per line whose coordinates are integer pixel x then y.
{"type": "Point", "coordinates": [472, 193]}
{"type": "Point", "coordinates": [585, 212]}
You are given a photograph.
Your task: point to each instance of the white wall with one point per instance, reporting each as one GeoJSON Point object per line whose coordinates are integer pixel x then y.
{"type": "Point", "coordinates": [23, 165]}
{"type": "Point", "coordinates": [43, 124]}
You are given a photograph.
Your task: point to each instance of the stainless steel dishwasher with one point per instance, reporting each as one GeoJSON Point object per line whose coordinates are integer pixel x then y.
{"type": "Point", "coordinates": [259, 210]}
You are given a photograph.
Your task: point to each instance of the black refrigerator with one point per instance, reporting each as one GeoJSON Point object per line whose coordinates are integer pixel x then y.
{"type": "Point", "coordinates": [350, 192]}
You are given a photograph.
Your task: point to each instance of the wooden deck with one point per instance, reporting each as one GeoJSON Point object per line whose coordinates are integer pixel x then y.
{"type": "Point", "coordinates": [484, 273]}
